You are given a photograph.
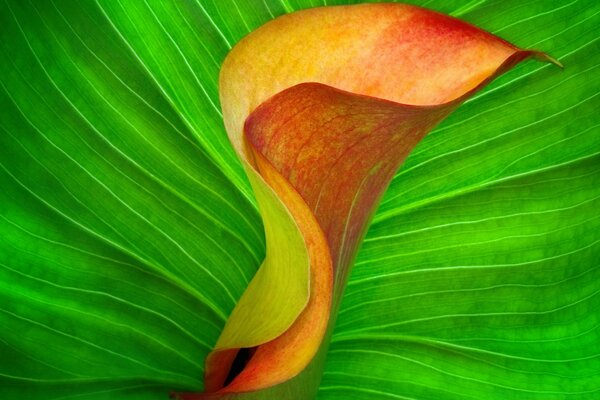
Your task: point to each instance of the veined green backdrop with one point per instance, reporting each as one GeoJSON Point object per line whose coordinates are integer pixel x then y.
{"type": "Point", "coordinates": [128, 230]}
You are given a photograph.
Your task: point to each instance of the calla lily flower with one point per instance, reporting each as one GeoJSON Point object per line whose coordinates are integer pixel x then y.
{"type": "Point", "coordinates": [322, 106]}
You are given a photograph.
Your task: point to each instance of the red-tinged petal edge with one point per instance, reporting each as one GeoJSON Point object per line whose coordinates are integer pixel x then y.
{"type": "Point", "coordinates": [328, 145]}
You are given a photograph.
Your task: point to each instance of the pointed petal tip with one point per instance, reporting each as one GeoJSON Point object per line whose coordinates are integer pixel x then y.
{"type": "Point", "coordinates": [540, 55]}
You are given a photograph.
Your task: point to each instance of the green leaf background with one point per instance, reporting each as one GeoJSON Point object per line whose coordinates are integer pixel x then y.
{"type": "Point", "coordinates": [128, 230]}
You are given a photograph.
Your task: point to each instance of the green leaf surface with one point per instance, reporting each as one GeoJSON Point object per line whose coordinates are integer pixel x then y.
{"type": "Point", "coordinates": [128, 230]}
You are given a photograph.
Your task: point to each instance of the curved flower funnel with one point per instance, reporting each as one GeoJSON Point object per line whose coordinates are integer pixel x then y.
{"type": "Point", "coordinates": [322, 106]}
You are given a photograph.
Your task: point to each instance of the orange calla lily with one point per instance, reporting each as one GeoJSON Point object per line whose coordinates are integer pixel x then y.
{"type": "Point", "coordinates": [322, 106]}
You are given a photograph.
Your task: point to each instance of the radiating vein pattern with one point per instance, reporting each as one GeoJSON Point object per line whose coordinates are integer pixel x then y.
{"type": "Point", "coordinates": [128, 230]}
